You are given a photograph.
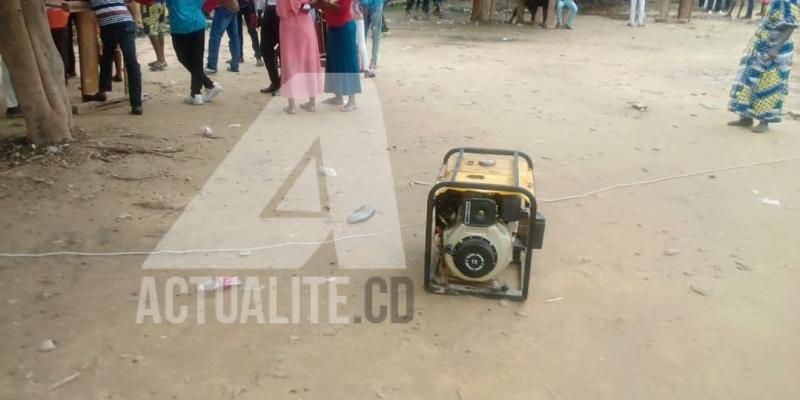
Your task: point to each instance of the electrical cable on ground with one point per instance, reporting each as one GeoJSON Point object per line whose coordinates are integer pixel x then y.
{"type": "Point", "coordinates": [373, 234]}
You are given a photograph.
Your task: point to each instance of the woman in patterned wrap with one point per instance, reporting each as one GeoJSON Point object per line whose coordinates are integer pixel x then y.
{"type": "Point", "coordinates": [763, 79]}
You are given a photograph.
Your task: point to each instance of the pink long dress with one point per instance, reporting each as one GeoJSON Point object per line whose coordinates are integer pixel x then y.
{"type": "Point", "coordinates": [301, 74]}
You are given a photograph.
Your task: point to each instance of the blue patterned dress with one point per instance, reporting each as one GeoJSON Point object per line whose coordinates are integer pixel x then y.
{"type": "Point", "coordinates": [762, 84]}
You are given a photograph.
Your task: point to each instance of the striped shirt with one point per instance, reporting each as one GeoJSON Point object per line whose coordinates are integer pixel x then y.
{"type": "Point", "coordinates": [110, 12]}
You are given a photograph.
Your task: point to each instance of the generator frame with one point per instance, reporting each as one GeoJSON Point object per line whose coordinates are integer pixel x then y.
{"type": "Point", "coordinates": [434, 262]}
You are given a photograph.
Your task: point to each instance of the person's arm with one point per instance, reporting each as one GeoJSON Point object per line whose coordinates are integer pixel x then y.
{"type": "Point", "coordinates": [786, 33]}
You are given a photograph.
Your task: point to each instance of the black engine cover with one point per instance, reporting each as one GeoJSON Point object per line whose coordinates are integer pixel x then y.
{"type": "Point", "coordinates": [474, 256]}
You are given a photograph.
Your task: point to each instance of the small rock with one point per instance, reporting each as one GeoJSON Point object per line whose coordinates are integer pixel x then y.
{"type": "Point", "coordinates": [671, 252]}
{"type": "Point", "coordinates": [124, 216]}
{"type": "Point", "coordinates": [639, 106]}
{"type": "Point", "coordinates": [521, 314]}
{"type": "Point", "coordinates": [47, 345]}
{"type": "Point", "coordinates": [53, 150]}
{"type": "Point", "coordinates": [503, 303]}
{"type": "Point", "coordinates": [206, 131]}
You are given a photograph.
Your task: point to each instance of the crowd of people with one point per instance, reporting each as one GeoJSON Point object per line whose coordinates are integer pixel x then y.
{"type": "Point", "coordinates": [293, 28]}
{"type": "Point", "coordinates": [288, 45]}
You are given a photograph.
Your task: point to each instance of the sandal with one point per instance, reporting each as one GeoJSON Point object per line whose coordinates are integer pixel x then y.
{"type": "Point", "coordinates": [289, 110]}
{"type": "Point", "coordinates": [760, 128]}
{"type": "Point", "coordinates": [308, 107]}
{"type": "Point", "coordinates": [349, 107]}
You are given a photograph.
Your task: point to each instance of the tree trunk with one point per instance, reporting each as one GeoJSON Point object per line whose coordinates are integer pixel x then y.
{"type": "Point", "coordinates": [551, 14]}
{"type": "Point", "coordinates": [475, 16]}
{"type": "Point", "coordinates": [482, 10]}
{"type": "Point", "coordinates": [685, 10]}
{"type": "Point", "coordinates": [663, 11]}
{"type": "Point", "coordinates": [36, 69]}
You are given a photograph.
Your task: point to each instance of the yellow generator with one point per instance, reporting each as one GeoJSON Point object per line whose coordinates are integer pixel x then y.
{"type": "Point", "coordinates": [482, 219]}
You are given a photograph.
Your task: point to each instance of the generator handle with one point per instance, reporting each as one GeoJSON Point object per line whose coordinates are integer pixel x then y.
{"type": "Point", "coordinates": [481, 150]}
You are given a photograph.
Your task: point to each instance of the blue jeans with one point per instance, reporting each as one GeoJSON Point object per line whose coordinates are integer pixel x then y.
{"type": "Point", "coordinates": [573, 9]}
{"type": "Point", "coordinates": [373, 18]}
{"type": "Point", "coordinates": [224, 21]}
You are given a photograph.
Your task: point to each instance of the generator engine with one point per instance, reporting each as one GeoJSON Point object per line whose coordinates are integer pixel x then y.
{"type": "Point", "coordinates": [479, 240]}
{"type": "Point", "coordinates": [482, 219]}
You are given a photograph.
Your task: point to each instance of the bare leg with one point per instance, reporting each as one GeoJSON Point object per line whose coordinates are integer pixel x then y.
{"type": "Point", "coordinates": [311, 106]}
{"type": "Point", "coordinates": [290, 109]}
{"type": "Point", "coordinates": [351, 104]}
{"type": "Point", "coordinates": [160, 50]}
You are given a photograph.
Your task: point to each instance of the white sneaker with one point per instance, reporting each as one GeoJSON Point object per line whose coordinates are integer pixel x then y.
{"type": "Point", "coordinates": [196, 100]}
{"type": "Point", "coordinates": [213, 92]}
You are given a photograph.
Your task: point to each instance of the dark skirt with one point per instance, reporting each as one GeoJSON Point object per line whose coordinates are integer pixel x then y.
{"type": "Point", "coordinates": [342, 70]}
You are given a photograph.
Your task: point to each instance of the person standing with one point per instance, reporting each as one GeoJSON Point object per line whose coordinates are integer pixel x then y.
{"type": "Point", "coordinates": [224, 20]}
{"type": "Point", "coordinates": [58, 19]}
{"type": "Point", "coordinates": [762, 82]}
{"type": "Point", "coordinates": [361, 38]}
{"type": "Point", "coordinates": [71, 48]}
{"type": "Point", "coordinates": [573, 10]}
{"type": "Point", "coordinates": [373, 18]}
{"type": "Point", "coordinates": [188, 30]}
{"type": "Point", "coordinates": [12, 105]}
{"type": "Point", "coordinates": [270, 35]}
{"type": "Point", "coordinates": [638, 16]}
{"type": "Point", "coordinates": [154, 24]}
{"type": "Point", "coordinates": [247, 17]}
{"type": "Point", "coordinates": [342, 76]}
{"type": "Point", "coordinates": [301, 73]}
{"type": "Point", "coordinates": [117, 29]}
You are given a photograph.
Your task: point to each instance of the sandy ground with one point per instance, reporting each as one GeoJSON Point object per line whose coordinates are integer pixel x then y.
{"type": "Point", "coordinates": [684, 289]}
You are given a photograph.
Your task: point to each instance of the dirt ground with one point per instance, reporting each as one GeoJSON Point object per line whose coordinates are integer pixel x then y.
{"type": "Point", "coordinates": [684, 289]}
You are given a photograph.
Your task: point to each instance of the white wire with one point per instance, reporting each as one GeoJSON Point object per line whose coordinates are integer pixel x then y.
{"type": "Point", "coordinates": [373, 234]}
{"type": "Point", "coordinates": [666, 178]}
{"type": "Point", "coordinates": [205, 251]}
